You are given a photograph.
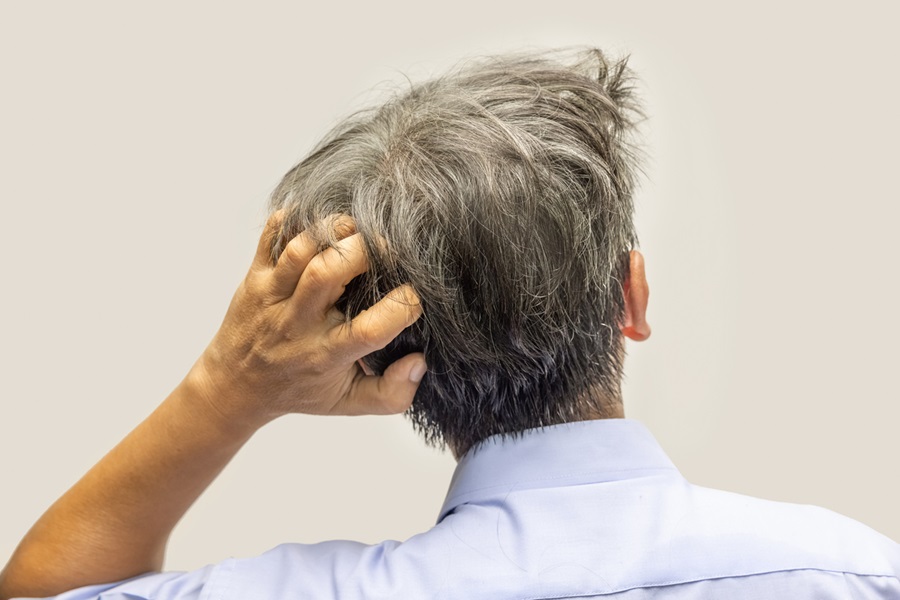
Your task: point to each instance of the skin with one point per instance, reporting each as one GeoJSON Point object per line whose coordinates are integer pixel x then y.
{"type": "Point", "coordinates": [282, 348]}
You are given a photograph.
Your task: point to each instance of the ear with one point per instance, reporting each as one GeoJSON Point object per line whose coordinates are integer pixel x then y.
{"type": "Point", "coordinates": [637, 292]}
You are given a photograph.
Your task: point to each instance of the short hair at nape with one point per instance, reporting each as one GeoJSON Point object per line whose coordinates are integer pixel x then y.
{"type": "Point", "coordinates": [502, 192]}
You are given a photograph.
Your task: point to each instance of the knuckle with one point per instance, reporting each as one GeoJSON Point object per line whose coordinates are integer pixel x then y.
{"type": "Point", "coordinates": [343, 225]}
{"type": "Point", "coordinates": [275, 217]}
{"type": "Point", "coordinates": [319, 361]}
{"type": "Point", "coordinates": [296, 249]}
{"type": "Point", "coordinates": [317, 271]}
{"type": "Point", "coordinates": [367, 335]}
{"type": "Point", "coordinates": [351, 251]}
{"type": "Point", "coordinates": [252, 282]}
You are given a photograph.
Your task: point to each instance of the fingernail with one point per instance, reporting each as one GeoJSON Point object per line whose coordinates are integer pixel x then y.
{"type": "Point", "coordinates": [418, 371]}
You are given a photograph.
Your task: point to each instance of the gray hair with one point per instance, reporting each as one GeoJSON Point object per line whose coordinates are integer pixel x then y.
{"type": "Point", "coordinates": [502, 192]}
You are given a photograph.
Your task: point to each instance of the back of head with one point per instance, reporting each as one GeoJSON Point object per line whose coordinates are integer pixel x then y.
{"type": "Point", "coordinates": [502, 192]}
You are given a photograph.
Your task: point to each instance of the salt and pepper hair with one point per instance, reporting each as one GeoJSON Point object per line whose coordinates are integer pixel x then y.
{"type": "Point", "coordinates": [502, 192]}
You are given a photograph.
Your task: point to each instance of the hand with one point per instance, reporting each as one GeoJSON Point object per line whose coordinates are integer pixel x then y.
{"type": "Point", "coordinates": [283, 347]}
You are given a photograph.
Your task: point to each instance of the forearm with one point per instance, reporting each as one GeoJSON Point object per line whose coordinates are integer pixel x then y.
{"type": "Point", "coordinates": [115, 522]}
{"type": "Point", "coordinates": [283, 347]}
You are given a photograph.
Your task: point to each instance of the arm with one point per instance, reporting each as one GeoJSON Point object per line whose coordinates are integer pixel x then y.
{"type": "Point", "coordinates": [282, 348]}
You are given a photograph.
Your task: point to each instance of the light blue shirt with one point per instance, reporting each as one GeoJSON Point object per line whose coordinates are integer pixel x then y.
{"type": "Point", "coordinates": [587, 509]}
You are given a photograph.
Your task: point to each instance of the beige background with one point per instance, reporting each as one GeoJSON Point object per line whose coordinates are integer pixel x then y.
{"type": "Point", "coordinates": [138, 146]}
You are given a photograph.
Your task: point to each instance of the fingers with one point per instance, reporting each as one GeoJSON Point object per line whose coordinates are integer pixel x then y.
{"type": "Point", "coordinates": [263, 256]}
{"type": "Point", "coordinates": [314, 281]}
{"type": "Point", "coordinates": [299, 252]}
{"type": "Point", "coordinates": [389, 394]}
{"type": "Point", "coordinates": [326, 274]}
{"type": "Point", "coordinates": [375, 327]}
{"type": "Point", "coordinates": [291, 264]}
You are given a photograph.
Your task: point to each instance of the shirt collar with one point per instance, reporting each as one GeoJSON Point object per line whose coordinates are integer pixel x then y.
{"type": "Point", "coordinates": [573, 453]}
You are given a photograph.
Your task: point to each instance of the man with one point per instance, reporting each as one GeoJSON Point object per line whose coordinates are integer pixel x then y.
{"type": "Point", "coordinates": [478, 227]}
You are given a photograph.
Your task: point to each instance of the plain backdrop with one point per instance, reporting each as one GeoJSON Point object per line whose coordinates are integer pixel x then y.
{"type": "Point", "coordinates": [138, 145]}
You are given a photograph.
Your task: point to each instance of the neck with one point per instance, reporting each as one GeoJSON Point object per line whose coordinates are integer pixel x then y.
{"type": "Point", "coordinates": [608, 410]}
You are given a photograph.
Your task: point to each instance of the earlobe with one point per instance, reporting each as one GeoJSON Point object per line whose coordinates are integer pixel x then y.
{"type": "Point", "coordinates": [637, 293]}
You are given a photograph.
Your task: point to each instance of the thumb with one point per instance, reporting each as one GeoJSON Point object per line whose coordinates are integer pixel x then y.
{"type": "Point", "coordinates": [390, 393]}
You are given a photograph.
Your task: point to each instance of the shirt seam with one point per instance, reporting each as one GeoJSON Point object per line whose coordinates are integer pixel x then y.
{"type": "Point", "coordinates": [218, 581]}
{"type": "Point", "coordinates": [675, 582]}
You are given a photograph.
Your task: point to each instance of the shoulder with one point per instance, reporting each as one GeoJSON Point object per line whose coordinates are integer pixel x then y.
{"type": "Point", "coordinates": [689, 540]}
{"type": "Point", "coordinates": [785, 536]}
{"type": "Point", "coordinates": [338, 568]}
{"type": "Point", "coordinates": [686, 535]}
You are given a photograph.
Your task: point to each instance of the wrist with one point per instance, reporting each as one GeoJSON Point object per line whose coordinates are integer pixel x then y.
{"type": "Point", "coordinates": [216, 400]}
